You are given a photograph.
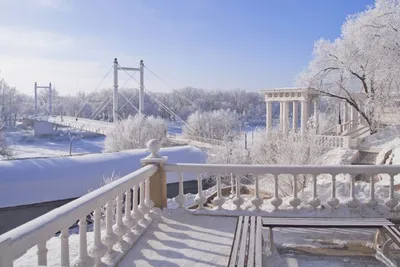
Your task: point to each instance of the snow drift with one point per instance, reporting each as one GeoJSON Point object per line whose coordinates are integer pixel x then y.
{"type": "Point", "coordinates": [39, 180]}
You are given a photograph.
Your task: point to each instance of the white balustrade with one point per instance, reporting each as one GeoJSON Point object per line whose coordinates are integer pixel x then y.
{"type": "Point", "coordinates": [110, 237]}
{"type": "Point", "coordinates": [119, 228]}
{"type": "Point", "coordinates": [97, 250]}
{"type": "Point", "coordinates": [16, 242]}
{"type": "Point", "coordinates": [83, 259]}
{"type": "Point", "coordinates": [315, 201]}
{"type": "Point", "coordinates": [136, 214]}
{"type": "Point", "coordinates": [200, 199]}
{"type": "Point", "coordinates": [276, 201]}
{"type": "Point", "coordinates": [352, 202]}
{"type": "Point", "coordinates": [295, 201]}
{"type": "Point", "coordinates": [219, 200]}
{"type": "Point", "coordinates": [256, 200]}
{"type": "Point", "coordinates": [238, 201]}
{"type": "Point", "coordinates": [181, 198]}
{"type": "Point", "coordinates": [391, 202]}
{"type": "Point", "coordinates": [64, 247]}
{"type": "Point", "coordinates": [299, 173]}
{"type": "Point", "coordinates": [42, 254]}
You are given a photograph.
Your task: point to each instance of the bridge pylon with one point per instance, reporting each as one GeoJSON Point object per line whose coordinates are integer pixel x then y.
{"type": "Point", "coordinates": [36, 87]}
{"type": "Point", "coordinates": [115, 91]}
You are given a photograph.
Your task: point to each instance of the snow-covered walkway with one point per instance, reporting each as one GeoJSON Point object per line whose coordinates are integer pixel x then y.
{"type": "Point", "coordinates": [178, 238]}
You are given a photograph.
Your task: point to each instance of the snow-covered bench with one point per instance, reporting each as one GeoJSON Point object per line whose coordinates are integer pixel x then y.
{"type": "Point", "coordinates": [247, 244]}
{"type": "Point", "coordinates": [386, 234]}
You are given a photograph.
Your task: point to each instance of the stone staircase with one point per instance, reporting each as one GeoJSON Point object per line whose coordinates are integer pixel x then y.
{"type": "Point", "coordinates": [357, 134]}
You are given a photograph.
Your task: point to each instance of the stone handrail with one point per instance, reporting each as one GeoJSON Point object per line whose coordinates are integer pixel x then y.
{"type": "Point", "coordinates": [37, 232]}
{"type": "Point", "coordinates": [333, 141]}
{"type": "Point", "coordinates": [348, 125]}
{"type": "Point", "coordinates": [275, 172]}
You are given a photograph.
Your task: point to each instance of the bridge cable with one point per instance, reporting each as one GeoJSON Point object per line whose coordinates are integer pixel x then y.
{"type": "Point", "coordinates": [100, 108]}
{"type": "Point", "coordinates": [179, 93]}
{"type": "Point", "coordinates": [96, 112]}
{"type": "Point", "coordinates": [102, 80]}
{"type": "Point", "coordinates": [148, 92]}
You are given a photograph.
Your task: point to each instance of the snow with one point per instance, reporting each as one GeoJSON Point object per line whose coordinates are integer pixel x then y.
{"type": "Point", "coordinates": [381, 138]}
{"type": "Point", "coordinates": [177, 238]}
{"type": "Point", "coordinates": [49, 179]}
{"type": "Point", "coordinates": [24, 144]}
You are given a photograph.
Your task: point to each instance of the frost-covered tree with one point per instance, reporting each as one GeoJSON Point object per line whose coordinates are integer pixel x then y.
{"type": "Point", "coordinates": [4, 148]}
{"type": "Point", "coordinates": [362, 66]}
{"type": "Point", "coordinates": [215, 125]}
{"type": "Point", "coordinates": [134, 132]}
{"type": "Point", "coordinates": [287, 149]}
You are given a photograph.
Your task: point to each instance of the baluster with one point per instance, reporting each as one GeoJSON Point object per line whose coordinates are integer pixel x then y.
{"type": "Point", "coordinates": [98, 249]}
{"type": "Point", "coordinates": [256, 200]}
{"type": "Point", "coordinates": [83, 258]}
{"type": "Point", "coordinates": [238, 201]}
{"type": "Point", "coordinates": [276, 201]}
{"type": "Point", "coordinates": [219, 200]}
{"type": "Point", "coordinates": [64, 247]}
{"type": "Point", "coordinates": [181, 198]}
{"type": "Point", "coordinates": [333, 201]}
{"type": "Point", "coordinates": [352, 202]}
{"type": "Point", "coordinates": [314, 201]}
{"type": "Point", "coordinates": [128, 219]}
{"type": "Point", "coordinates": [148, 202]}
{"type": "Point", "coordinates": [110, 238]}
{"type": "Point", "coordinates": [119, 228]}
{"type": "Point", "coordinates": [295, 201]}
{"type": "Point", "coordinates": [391, 202]}
{"type": "Point", "coordinates": [231, 196]}
{"type": "Point", "coordinates": [142, 206]}
{"type": "Point", "coordinates": [200, 199]}
{"type": "Point", "coordinates": [372, 203]}
{"type": "Point", "coordinates": [42, 253]}
{"type": "Point", "coordinates": [136, 214]}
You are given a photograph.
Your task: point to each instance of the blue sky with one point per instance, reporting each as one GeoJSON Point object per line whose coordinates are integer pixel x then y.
{"type": "Point", "coordinates": [213, 44]}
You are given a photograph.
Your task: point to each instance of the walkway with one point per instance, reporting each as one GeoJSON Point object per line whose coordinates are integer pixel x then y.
{"type": "Point", "coordinates": [178, 238]}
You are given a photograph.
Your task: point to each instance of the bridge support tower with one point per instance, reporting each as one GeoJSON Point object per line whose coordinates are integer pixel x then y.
{"type": "Point", "coordinates": [49, 97]}
{"type": "Point", "coordinates": [115, 91]}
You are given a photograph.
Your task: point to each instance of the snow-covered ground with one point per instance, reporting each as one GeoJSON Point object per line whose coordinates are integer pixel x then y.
{"type": "Point", "coordinates": [24, 144]}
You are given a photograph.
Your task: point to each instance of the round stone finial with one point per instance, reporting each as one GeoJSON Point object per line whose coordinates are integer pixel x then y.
{"type": "Point", "coordinates": [154, 146]}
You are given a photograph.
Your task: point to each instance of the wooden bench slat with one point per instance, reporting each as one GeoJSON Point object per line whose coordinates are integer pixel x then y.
{"type": "Point", "coordinates": [252, 241]}
{"type": "Point", "coordinates": [325, 222]}
{"type": "Point", "coordinates": [259, 245]}
{"type": "Point", "coordinates": [394, 233]}
{"type": "Point", "coordinates": [234, 251]}
{"type": "Point", "coordinates": [243, 242]}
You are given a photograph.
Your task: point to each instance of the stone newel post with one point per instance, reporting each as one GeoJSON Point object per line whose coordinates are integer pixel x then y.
{"type": "Point", "coordinates": [158, 181]}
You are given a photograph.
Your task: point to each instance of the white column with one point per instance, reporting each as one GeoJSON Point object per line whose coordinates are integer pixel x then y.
{"type": "Point", "coordinates": [304, 115]}
{"type": "Point", "coordinates": [294, 116]}
{"type": "Point", "coordinates": [353, 116]}
{"type": "Point", "coordinates": [285, 120]}
{"type": "Point", "coordinates": [141, 89]}
{"type": "Point", "coordinates": [345, 115]}
{"type": "Point", "coordinates": [268, 106]}
{"type": "Point", "coordinates": [280, 116]}
{"type": "Point", "coordinates": [50, 107]}
{"type": "Point", "coordinates": [316, 105]}
{"type": "Point", "coordinates": [115, 92]}
{"type": "Point", "coordinates": [36, 107]}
